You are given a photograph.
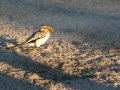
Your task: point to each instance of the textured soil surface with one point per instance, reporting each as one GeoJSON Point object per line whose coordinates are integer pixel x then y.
{"type": "Point", "coordinates": [82, 54]}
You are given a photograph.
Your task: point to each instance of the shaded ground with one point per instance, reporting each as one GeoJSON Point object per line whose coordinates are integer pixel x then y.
{"type": "Point", "coordinates": [83, 53]}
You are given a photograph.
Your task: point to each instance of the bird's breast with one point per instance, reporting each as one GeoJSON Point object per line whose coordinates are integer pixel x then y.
{"type": "Point", "coordinates": [42, 40]}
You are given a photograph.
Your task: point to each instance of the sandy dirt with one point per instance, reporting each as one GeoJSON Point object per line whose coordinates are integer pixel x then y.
{"type": "Point", "coordinates": [82, 54]}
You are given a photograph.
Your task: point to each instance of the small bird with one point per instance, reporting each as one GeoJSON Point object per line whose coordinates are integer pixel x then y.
{"type": "Point", "coordinates": [38, 38]}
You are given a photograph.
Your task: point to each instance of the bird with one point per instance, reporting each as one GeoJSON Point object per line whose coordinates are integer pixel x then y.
{"type": "Point", "coordinates": [38, 38]}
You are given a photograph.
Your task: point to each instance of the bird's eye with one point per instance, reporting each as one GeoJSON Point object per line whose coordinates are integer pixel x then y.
{"type": "Point", "coordinates": [42, 29]}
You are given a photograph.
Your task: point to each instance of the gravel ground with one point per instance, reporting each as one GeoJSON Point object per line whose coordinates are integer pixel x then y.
{"type": "Point", "coordinates": [82, 54]}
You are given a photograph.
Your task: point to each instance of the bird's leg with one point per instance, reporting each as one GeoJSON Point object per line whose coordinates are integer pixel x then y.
{"type": "Point", "coordinates": [31, 45]}
{"type": "Point", "coordinates": [39, 48]}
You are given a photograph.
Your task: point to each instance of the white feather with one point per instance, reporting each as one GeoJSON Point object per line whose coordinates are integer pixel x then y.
{"type": "Point", "coordinates": [42, 40]}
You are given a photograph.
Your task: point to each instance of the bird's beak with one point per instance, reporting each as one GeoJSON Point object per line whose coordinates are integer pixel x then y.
{"type": "Point", "coordinates": [52, 30]}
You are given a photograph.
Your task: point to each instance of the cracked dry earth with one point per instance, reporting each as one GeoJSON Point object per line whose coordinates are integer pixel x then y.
{"type": "Point", "coordinates": [62, 64]}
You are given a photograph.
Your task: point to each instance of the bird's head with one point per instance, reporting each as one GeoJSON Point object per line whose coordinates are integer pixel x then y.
{"type": "Point", "coordinates": [46, 28]}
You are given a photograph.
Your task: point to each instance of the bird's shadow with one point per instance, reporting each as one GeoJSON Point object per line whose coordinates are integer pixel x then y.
{"type": "Point", "coordinates": [4, 41]}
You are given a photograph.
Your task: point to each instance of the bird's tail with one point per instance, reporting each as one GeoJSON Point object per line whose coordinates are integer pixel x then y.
{"type": "Point", "coordinates": [14, 46]}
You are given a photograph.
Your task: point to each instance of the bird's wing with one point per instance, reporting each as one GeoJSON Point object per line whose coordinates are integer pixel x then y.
{"type": "Point", "coordinates": [35, 36]}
